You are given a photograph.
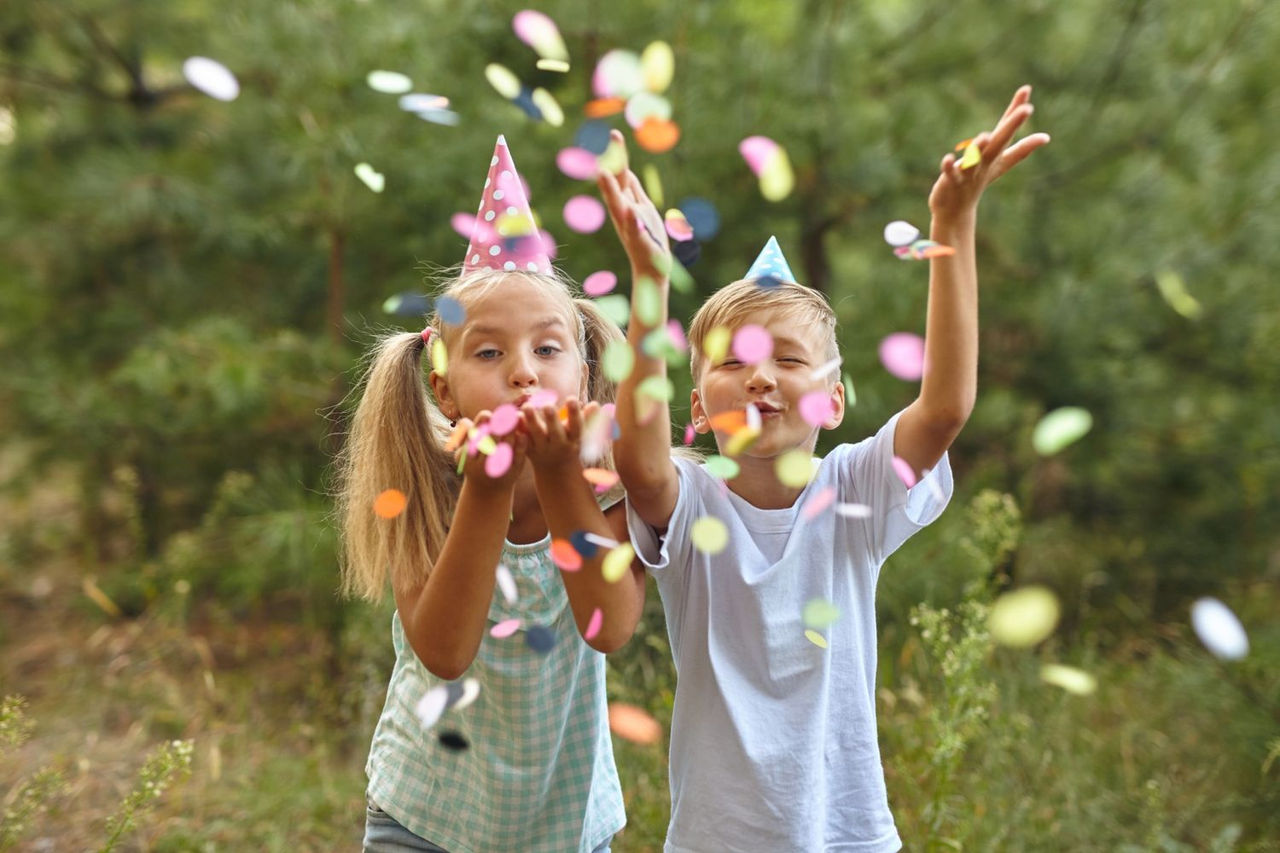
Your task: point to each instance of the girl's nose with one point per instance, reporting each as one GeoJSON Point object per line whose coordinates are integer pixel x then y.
{"type": "Point", "coordinates": [523, 374]}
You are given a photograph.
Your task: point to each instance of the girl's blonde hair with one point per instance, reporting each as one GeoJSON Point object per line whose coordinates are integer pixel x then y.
{"type": "Point", "coordinates": [397, 437]}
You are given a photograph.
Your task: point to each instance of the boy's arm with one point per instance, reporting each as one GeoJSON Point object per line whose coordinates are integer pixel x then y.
{"type": "Point", "coordinates": [642, 452]}
{"type": "Point", "coordinates": [569, 506]}
{"type": "Point", "coordinates": [949, 386]}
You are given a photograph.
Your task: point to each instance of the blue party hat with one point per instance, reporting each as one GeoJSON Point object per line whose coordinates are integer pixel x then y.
{"type": "Point", "coordinates": [771, 264]}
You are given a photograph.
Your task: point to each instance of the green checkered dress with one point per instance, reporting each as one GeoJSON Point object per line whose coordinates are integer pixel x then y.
{"type": "Point", "coordinates": [538, 775]}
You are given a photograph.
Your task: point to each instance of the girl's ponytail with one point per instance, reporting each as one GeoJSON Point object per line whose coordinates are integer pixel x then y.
{"type": "Point", "coordinates": [396, 442]}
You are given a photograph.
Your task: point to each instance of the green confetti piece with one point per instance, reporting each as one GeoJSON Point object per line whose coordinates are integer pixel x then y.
{"type": "Point", "coordinates": [656, 388]}
{"type": "Point", "coordinates": [617, 360]}
{"type": "Point", "coordinates": [1060, 428]}
{"type": "Point", "coordinates": [820, 613]}
{"type": "Point", "coordinates": [722, 467]}
{"type": "Point", "coordinates": [616, 307]}
{"type": "Point", "coordinates": [647, 302]}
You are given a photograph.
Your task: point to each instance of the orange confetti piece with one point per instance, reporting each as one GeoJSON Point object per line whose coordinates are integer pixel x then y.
{"type": "Point", "coordinates": [657, 135]}
{"type": "Point", "coordinates": [604, 107]}
{"type": "Point", "coordinates": [455, 438]}
{"type": "Point", "coordinates": [729, 422]}
{"type": "Point", "coordinates": [963, 144]}
{"type": "Point", "coordinates": [601, 478]}
{"type": "Point", "coordinates": [390, 503]}
{"type": "Point", "coordinates": [938, 251]}
{"type": "Point", "coordinates": [565, 556]}
{"type": "Point", "coordinates": [563, 414]}
{"type": "Point", "coordinates": [633, 724]}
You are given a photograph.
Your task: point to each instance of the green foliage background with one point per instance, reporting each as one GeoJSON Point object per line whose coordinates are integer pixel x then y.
{"type": "Point", "coordinates": [186, 287]}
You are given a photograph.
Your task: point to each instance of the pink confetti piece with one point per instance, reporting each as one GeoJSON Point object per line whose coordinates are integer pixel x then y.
{"type": "Point", "coordinates": [902, 354]}
{"type": "Point", "coordinates": [468, 226]}
{"type": "Point", "coordinates": [541, 398]}
{"type": "Point", "coordinates": [505, 628]}
{"type": "Point", "coordinates": [594, 625]}
{"type": "Point", "coordinates": [499, 461]}
{"type": "Point", "coordinates": [752, 344]}
{"type": "Point", "coordinates": [816, 407]}
{"type": "Point", "coordinates": [504, 419]}
{"type": "Point", "coordinates": [584, 214]}
{"type": "Point", "coordinates": [689, 433]}
{"type": "Point", "coordinates": [678, 228]}
{"type": "Point", "coordinates": [905, 473]}
{"type": "Point", "coordinates": [757, 151]}
{"type": "Point", "coordinates": [817, 504]}
{"type": "Point", "coordinates": [577, 163]}
{"type": "Point", "coordinates": [599, 283]}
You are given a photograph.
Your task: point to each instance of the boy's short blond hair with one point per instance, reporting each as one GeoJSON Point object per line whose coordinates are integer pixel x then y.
{"type": "Point", "coordinates": [729, 305]}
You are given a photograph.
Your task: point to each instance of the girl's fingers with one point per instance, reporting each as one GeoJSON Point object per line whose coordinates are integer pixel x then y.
{"type": "Point", "coordinates": [573, 428]}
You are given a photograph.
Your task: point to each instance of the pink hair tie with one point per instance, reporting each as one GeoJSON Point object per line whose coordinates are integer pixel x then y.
{"type": "Point", "coordinates": [426, 335]}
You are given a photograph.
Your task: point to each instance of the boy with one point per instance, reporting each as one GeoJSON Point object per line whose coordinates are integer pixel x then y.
{"type": "Point", "coordinates": [773, 737]}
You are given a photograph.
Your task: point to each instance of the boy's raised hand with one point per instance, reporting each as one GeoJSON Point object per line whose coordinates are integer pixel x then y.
{"type": "Point", "coordinates": [957, 190]}
{"type": "Point", "coordinates": [637, 221]}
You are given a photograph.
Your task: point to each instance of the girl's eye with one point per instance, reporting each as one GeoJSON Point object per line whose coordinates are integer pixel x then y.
{"type": "Point", "coordinates": [547, 350]}
{"type": "Point", "coordinates": [487, 354]}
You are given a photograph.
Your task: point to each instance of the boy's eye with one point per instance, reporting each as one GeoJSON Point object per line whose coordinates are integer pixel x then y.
{"type": "Point", "coordinates": [730, 362]}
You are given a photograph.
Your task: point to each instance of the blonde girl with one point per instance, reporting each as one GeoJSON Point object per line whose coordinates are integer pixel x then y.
{"type": "Point", "coordinates": [494, 735]}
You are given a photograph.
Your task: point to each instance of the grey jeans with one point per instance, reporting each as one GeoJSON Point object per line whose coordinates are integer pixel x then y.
{"type": "Point", "coordinates": [384, 834]}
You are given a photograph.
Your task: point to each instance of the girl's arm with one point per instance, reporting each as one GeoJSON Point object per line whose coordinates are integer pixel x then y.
{"type": "Point", "coordinates": [642, 452]}
{"type": "Point", "coordinates": [949, 387]}
{"type": "Point", "coordinates": [569, 506]}
{"type": "Point", "coordinates": [444, 617]}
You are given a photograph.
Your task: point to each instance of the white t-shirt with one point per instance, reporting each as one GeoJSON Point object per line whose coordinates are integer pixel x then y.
{"type": "Point", "coordinates": [773, 738]}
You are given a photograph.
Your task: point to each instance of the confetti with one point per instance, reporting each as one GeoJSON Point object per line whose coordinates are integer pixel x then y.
{"type": "Point", "coordinates": [715, 346]}
{"type": "Point", "coordinates": [644, 106]}
{"type": "Point", "coordinates": [742, 440]}
{"type": "Point", "coordinates": [565, 556]}
{"type": "Point", "coordinates": [594, 624]}
{"type": "Point", "coordinates": [541, 33]}
{"type": "Point", "coordinates": [794, 468]}
{"type": "Point", "coordinates": [757, 150]}
{"type": "Point", "coordinates": [548, 106]}
{"type": "Point", "coordinates": [584, 214]}
{"type": "Point", "coordinates": [432, 705]}
{"type": "Point", "coordinates": [463, 693]}
{"type": "Point", "coordinates": [709, 534]}
{"type": "Point", "coordinates": [729, 422]}
{"type": "Point", "coordinates": [820, 613]}
{"type": "Point", "coordinates": [905, 472]}
{"type": "Point", "coordinates": [471, 227]}
{"type": "Point", "coordinates": [689, 433]}
{"type": "Point", "coordinates": [815, 506]}
{"type": "Point", "coordinates": [703, 216]}
{"type": "Point", "coordinates": [540, 638]}
{"type": "Point", "coordinates": [419, 102]}
{"type": "Point", "coordinates": [617, 562]}
{"type": "Point", "coordinates": [1174, 291]}
{"type": "Point", "coordinates": [900, 233]}
{"type": "Point", "coordinates": [722, 467]}
{"type": "Point", "coordinates": [390, 503]}
{"type": "Point", "coordinates": [1024, 617]}
{"type": "Point", "coordinates": [657, 135]}
{"type": "Point", "coordinates": [972, 156]}
{"type": "Point", "coordinates": [503, 80]}
{"type": "Point", "coordinates": [678, 228]}
{"type": "Point", "coordinates": [617, 75]}
{"type": "Point", "coordinates": [594, 136]}
{"type": "Point", "coordinates": [850, 395]}
{"type": "Point", "coordinates": [853, 510]}
{"type": "Point", "coordinates": [599, 283]}
{"type": "Point", "coordinates": [634, 724]}
{"type": "Point", "coordinates": [771, 164]}
{"type": "Point", "coordinates": [825, 370]}
{"type": "Point", "coordinates": [659, 388]}
{"type": "Point", "coordinates": [816, 407]}
{"type": "Point", "coordinates": [453, 741]}
{"type": "Point", "coordinates": [451, 311]}
{"type": "Point", "coordinates": [652, 183]}
{"type": "Point", "coordinates": [604, 107]}
{"type": "Point", "coordinates": [1219, 629]}
{"type": "Point", "coordinates": [505, 628]}
{"type": "Point", "coordinates": [370, 177]}
{"type": "Point", "coordinates": [541, 398]}
{"type": "Point", "coordinates": [657, 66]}
{"type": "Point", "coordinates": [506, 583]}
{"type": "Point", "coordinates": [577, 163]}
{"type": "Point", "coordinates": [923, 250]}
{"type": "Point", "coordinates": [211, 77]}
{"type": "Point", "coordinates": [752, 344]}
{"type": "Point", "coordinates": [815, 638]}
{"type": "Point", "coordinates": [388, 82]}
{"type": "Point", "coordinates": [602, 478]}
{"type": "Point", "coordinates": [1069, 678]}
{"type": "Point", "coordinates": [503, 419]}
{"type": "Point", "coordinates": [902, 354]}
{"type": "Point", "coordinates": [1059, 428]}
{"type": "Point", "coordinates": [616, 307]}
{"type": "Point", "coordinates": [499, 460]}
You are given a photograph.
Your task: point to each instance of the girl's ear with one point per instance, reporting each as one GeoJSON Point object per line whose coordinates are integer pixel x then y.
{"type": "Point", "coordinates": [444, 397]}
{"type": "Point", "coordinates": [837, 407]}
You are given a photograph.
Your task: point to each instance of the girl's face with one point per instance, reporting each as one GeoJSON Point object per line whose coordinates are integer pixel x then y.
{"type": "Point", "coordinates": [516, 340]}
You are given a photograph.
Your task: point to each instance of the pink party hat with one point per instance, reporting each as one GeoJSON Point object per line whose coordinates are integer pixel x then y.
{"type": "Point", "coordinates": [505, 236]}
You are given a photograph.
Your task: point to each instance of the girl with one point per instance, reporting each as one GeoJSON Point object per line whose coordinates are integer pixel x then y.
{"type": "Point", "coordinates": [528, 764]}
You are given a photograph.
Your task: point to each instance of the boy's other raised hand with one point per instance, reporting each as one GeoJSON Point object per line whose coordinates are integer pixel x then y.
{"type": "Point", "coordinates": [957, 190]}
{"type": "Point", "coordinates": [636, 220]}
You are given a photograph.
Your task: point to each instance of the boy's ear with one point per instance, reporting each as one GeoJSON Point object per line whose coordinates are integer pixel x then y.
{"type": "Point", "coordinates": [701, 424]}
{"type": "Point", "coordinates": [444, 397]}
{"type": "Point", "coordinates": [837, 407]}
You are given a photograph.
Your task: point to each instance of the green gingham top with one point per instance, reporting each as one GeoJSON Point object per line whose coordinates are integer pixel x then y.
{"type": "Point", "coordinates": [538, 774]}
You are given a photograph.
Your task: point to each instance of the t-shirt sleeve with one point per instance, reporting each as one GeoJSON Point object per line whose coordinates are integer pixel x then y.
{"type": "Point", "coordinates": [897, 513]}
{"type": "Point", "coordinates": [657, 550]}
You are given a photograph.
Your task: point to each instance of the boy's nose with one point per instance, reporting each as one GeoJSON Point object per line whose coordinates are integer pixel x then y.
{"type": "Point", "coordinates": [760, 379]}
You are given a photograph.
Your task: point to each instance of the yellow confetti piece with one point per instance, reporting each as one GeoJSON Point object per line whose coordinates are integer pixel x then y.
{"type": "Point", "coordinates": [794, 468]}
{"type": "Point", "coordinates": [390, 503]}
{"type": "Point", "coordinates": [972, 156]}
{"type": "Point", "coordinates": [709, 534]}
{"type": "Point", "coordinates": [1069, 678]}
{"type": "Point", "coordinates": [617, 562]}
{"type": "Point", "coordinates": [742, 439]}
{"type": "Point", "coordinates": [550, 107]}
{"type": "Point", "coordinates": [100, 598]}
{"type": "Point", "coordinates": [815, 638]}
{"type": "Point", "coordinates": [658, 64]}
{"type": "Point", "coordinates": [653, 184]}
{"type": "Point", "coordinates": [439, 357]}
{"type": "Point", "coordinates": [486, 445]}
{"type": "Point", "coordinates": [503, 80]}
{"type": "Point", "coordinates": [776, 178]}
{"type": "Point", "coordinates": [1024, 617]}
{"type": "Point", "coordinates": [715, 346]}
{"type": "Point", "coordinates": [1174, 291]}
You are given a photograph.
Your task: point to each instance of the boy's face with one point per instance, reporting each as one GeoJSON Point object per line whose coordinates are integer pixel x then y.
{"type": "Point", "coordinates": [775, 386]}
